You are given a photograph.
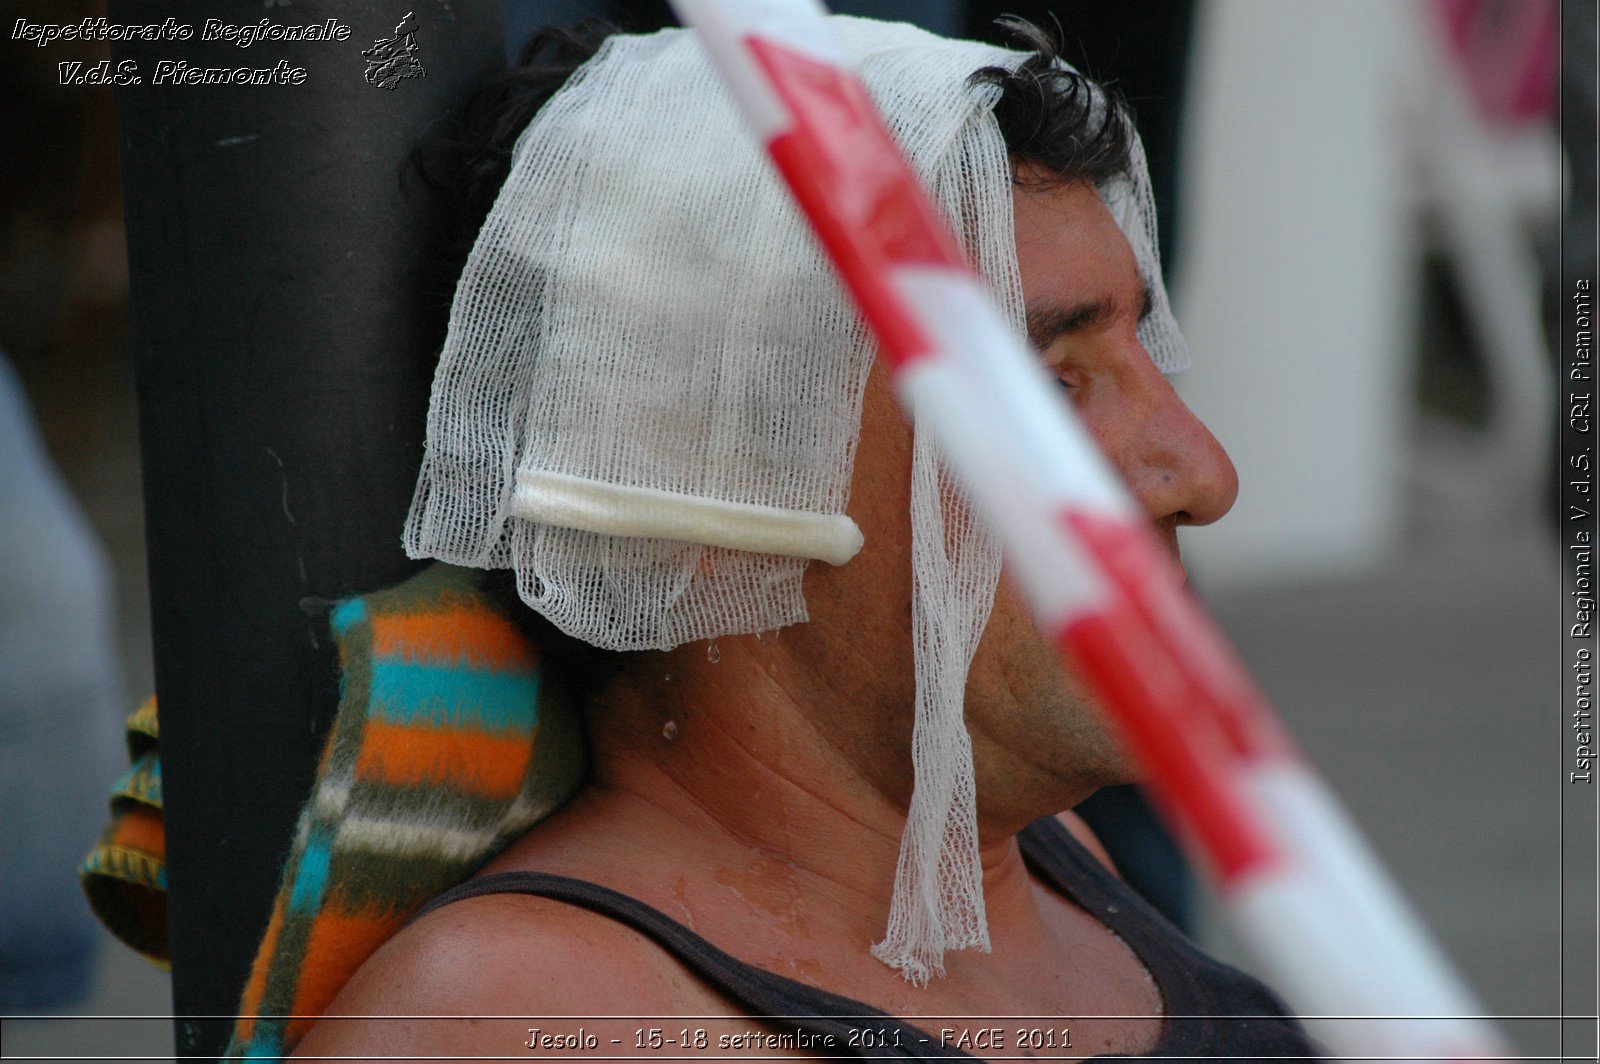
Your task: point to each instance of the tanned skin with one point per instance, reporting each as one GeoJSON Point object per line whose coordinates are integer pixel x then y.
{"type": "Point", "coordinates": [770, 824]}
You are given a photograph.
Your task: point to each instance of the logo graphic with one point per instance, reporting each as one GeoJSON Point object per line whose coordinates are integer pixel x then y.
{"type": "Point", "coordinates": [393, 59]}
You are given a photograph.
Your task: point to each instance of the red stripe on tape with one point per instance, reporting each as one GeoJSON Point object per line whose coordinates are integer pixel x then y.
{"type": "Point", "coordinates": [1139, 654]}
{"type": "Point", "coordinates": [1190, 775]}
{"type": "Point", "coordinates": [1152, 583]}
{"type": "Point", "coordinates": [854, 184]}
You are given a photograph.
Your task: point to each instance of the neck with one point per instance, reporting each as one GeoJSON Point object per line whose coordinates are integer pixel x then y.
{"type": "Point", "coordinates": [774, 767]}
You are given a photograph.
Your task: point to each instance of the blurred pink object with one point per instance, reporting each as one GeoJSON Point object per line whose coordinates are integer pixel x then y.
{"type": "Point", "coordinates": [1506, 52]}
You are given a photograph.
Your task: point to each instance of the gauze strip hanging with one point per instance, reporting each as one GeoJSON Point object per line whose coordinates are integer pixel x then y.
{"type": "Point", "coordinates": [938, 888]}
{"type": "Point", "coordinates": [650, 394]}
{"type": "Point", "coordinates": [937, 903]}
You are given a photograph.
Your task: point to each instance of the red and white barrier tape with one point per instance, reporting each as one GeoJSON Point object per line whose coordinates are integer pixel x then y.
{"type": "Point", "coordinates": [1302, 887]}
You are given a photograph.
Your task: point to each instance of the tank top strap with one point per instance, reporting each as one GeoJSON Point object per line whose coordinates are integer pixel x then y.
{"type": "Point", "coordinates": [1212, 1010]}
{"type": "Point", "coordinates": [1067, 865]}
{"type": "Point", "coordinates": [781, 1002]}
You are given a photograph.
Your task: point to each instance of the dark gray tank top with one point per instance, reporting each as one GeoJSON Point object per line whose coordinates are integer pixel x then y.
{"type": "Point", "coordinates": [1212, 1011]}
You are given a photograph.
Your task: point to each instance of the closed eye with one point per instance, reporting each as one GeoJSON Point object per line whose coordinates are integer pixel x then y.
{"type": "Point", "coordinates": [1052, 321]}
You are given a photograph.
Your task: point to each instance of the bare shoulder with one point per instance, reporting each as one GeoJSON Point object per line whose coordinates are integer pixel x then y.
{"type": "Point", "coordinates": [468, 978]}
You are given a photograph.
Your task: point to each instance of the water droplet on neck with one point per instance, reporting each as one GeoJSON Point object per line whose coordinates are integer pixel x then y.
{"type": "Point", "coordinates": [667, 678]}
{"type": "Point", "coordinates": [758, 637]}
{"type": "Point", "coordinates": [713, 655]}
{"type": "Point", "coordinates": [669, 730]}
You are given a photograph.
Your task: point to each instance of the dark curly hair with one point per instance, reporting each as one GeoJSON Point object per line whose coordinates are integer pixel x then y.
{"type": "Point", "coordinates": [1065, 125]}
{"type": "Point", "coordinates": [465, 157]}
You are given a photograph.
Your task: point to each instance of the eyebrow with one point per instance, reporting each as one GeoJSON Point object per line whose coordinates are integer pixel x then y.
{"type": "Point", "coordinates": [1049, 322]}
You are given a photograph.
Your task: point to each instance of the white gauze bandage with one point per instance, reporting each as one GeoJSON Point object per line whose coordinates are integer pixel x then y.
{"type": "Point", "coordinates": [650, 394]}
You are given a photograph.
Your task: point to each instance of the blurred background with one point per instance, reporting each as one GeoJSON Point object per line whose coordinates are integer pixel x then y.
{"type": "Point", "coordinates": [1362, 238]}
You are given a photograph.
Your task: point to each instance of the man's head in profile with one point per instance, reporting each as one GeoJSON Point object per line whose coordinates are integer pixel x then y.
{"type": "Point", "coordinates": [657, 407]}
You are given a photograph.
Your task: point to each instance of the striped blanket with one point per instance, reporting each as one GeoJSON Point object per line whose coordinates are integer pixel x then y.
{"type": "Point", "coordinates": [125, 876]}
{"type": "Point", "coordinates": [449, 743]}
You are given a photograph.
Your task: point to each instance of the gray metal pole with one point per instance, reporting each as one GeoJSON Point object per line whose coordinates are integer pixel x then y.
{"type": "Point", "coordinates": [284, 336]}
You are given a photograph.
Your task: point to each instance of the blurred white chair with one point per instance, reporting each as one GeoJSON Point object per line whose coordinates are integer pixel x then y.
{"type": "Point", "coordinates": [1487, 159]}
{"type": "Point", "coordinates": [1326, 146]}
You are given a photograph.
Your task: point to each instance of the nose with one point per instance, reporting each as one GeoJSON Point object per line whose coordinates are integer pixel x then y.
{"type": "Point", "coordinates": [1175, 467]}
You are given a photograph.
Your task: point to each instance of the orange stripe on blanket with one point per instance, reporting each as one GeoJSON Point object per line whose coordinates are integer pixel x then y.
{"type": "Point", "coordinates": [140, 828]}
{"type": "Point", "coordinates": [340, 943]}
{"type": "Point", "coordinates": [477, 637]}
{"type": "Point", "coordinates": [250, 1005]}
{"type": "Point", "coordinates": [473, 762]}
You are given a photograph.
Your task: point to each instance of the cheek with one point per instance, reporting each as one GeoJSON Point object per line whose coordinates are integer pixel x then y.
{"type": "Point", "coordinates": [873, 589]}
{"type": "Point", "coordinates": [1013, 660]}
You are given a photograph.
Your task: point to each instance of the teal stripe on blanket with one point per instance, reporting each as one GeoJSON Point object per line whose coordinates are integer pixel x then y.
{"type": "Point", "coordinates": [404, 692]}
{"type": "Point", "coordinates": [347, 615]}
{"type": "Point", "coordinates": [312, 876]}
{"type": "Point", "coordinates": [264, 1047]}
